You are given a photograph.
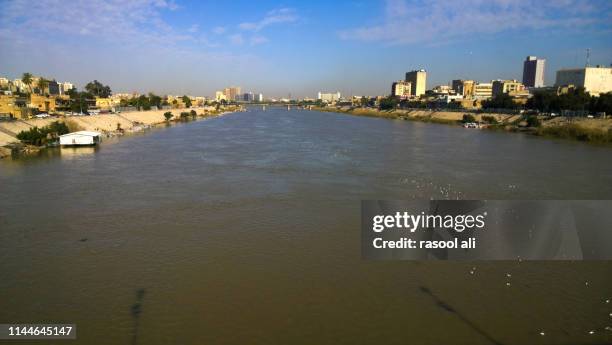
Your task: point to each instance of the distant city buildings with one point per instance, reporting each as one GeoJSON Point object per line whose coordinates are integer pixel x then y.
{"type": "Point", "coordinates": [65, 87]}
{"type": "Point", "coordinates": [220, 96]}
{"type": "Point", "coordinates": [231, 93]}
{"type": "Point", "coordinates": [401, 89]}
{"type": "Point", "coordinates": [483, 90]}
{"type": "Point", "coordinates": [418, 80]}
{"type": "Point", "coordinates": [533, 71]}
{"type": "Point", "coordinates": [512, 87]}
{"type": "Point", "coordinates": [595, 80]}
{"type": "Point", "coordinates": [328, 97]}
{"type": "Point", "coordinates": [464, 88]}
{"type": "Point", "coordinates": [248, 97]}
{"type": "Point", "coordinates": [252, 97]}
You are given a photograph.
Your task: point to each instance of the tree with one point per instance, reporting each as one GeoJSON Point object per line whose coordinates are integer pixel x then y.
{"type": "Point", "coordinates": [155, 100]}
{"type": "Point", "coordinates": [364, 101]}
{"type": "Point", "coordinates": [503, 101]}
{"type": "Point", "coordinates": [489, 119]}
{"type": "Point", "coordinates": [575, 99]}
{"type": "Point", "coordinates": [42, 85]}
{"type": "Point", "coordinates": [603, 103]}
{"type": "Point", "coordinates": [187, 101]}
{"type": "Point", "coordinates": [533, 121]}
{"type": "Point", "coordinates": [26, 78]}
{"type": "Point", "coordinates": [168, 115]}
{"type": "Point", "coordinates": [388, 103]}
{"type": "Point", "coordinates": [193, 113]}
{"type": "Point", "coordinates": [98, 89]}
{"type": "Point", "coordinates": [468, 118]}
{"type": "Point", "coordinates": [78, 100]}
{"type": "Point", "coordinates": [38, 136]}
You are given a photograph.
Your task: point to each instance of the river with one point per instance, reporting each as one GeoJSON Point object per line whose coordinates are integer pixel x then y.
{"type": "Point", "coordinates": [245, 229]}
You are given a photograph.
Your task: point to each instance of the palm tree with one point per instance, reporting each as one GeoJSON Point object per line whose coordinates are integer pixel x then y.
{"type": "Point", "coordinates": [26, 78]}
{"type": "Point", "coordinates": [42, 85]}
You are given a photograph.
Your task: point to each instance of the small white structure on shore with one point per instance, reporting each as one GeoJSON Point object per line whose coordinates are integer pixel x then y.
{"type": "Point", "coordinates": [81, 138]}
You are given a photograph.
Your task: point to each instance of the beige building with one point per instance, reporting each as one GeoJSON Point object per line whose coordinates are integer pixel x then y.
{"type": "Point", "coordinates": [419, 82]}
{"type": "Point", "coordinates": [595, 80]}
{"type": "Point", "coordinates": [506, 86]}
{"type": "Point", "coordinates": [42, 103]}
{"type": "Point", "coordinates": [107, 103]}
{"type": "Point", "coordinates": [483, 90]}
{"type": "Point", "coordinates": [401, 89]}
{"type": "Point", "coordinates": [464, 88]}
{"type": "Point", "coordinates": [175, 101]}
{"type": "Point", "coordinates": [9, 106]}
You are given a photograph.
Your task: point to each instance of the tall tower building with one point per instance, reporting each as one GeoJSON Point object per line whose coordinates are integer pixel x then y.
{"type": "Point", "coordinates": [418, 80]}
{"type": "Point", "coordinates": [533, 71]}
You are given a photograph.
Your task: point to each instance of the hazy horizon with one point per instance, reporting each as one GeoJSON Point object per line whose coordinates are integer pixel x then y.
{"type": "Point", "coordinates": [291, 47]}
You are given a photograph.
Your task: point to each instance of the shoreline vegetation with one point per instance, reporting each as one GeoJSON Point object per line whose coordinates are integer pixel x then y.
{"type": "Point", "coordinates": [598, 131]}
{"type": "Point", "coordinates": [109, 125]}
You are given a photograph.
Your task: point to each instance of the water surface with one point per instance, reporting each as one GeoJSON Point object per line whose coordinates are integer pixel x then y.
{"type": "Point", "coordinates": [245, 229]}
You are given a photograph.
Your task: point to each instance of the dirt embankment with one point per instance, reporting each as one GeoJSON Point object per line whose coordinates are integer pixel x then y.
{"type": "Point", "coordinates": [106, 123]}
{"type": "Point", "coordinates": [582, 129]}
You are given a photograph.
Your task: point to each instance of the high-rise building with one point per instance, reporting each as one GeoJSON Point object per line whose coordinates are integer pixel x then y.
{"type": "Point", "coordinates": [258, 97]}
{"type": "Point", "coordinates": [533, 71]}
{"type": "Point", "coordinates": [419, 82]}
{"type": "Point", "coordinates": [401, 89]}
{"type": "Point", "coordinates": [232, 93]}
{"type": "Point", "coordinates": [248, 97]}
{"type": "Point", "coordinates": [595, 80]}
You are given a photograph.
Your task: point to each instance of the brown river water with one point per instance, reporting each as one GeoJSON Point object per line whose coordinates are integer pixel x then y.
{"type": "Point", "coordinates": [245, 229]}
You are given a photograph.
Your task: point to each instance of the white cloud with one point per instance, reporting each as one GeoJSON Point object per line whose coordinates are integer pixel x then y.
{"type": "Point", "coordinates": [236, 39]}
{"type": "Point", "coordinates": [194, 28]}
{"type": "Point", "coordinates": [442, 21]}
{"type": "Point", "coordinates": [219, 30]}
{"type": "Point", "coordinates": [257, 40]}
{"type": "Point", "coordinates": [283, 15]}
{"type": "Point", "coordinates": [114, 20]}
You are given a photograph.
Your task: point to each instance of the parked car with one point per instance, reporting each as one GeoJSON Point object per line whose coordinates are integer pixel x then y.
{"type": "Point", "coordinates": [41, 116]}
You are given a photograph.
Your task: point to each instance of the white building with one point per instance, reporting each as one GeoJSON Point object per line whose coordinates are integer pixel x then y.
{"type": "Point", "coordinates": [65, 87]}
{"type": "Point", "coordinates": [418, 79]}
{"type": "Point", "coordinates": [329, 97]}
{"type": "Point", "coordinates": [533, 71]}
{"type": "Point", "coordinates": [401, 89]}
{"type": "Point", "coordinates": [82, 138]}
{"type": "Point", "coordinates": [595, 80]}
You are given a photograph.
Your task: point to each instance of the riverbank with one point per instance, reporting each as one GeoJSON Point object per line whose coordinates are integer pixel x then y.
{"type": "Point", "coordinates": [107, 124]}
{"type": "Point", "coordinates": [582, 129]}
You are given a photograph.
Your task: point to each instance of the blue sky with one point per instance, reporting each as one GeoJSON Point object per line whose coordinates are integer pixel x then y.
{"type": "Point", "coordinates": [295, 47]}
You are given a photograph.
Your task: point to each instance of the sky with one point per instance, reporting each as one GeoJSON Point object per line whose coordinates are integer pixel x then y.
{"type": "Point", "coordinates": [295, 48]}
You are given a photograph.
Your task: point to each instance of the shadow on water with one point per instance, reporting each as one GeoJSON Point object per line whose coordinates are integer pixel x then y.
{"type": "Point", "coordinates": [440, 303]}
{"type": "Point", "coordinates": [136, 310]}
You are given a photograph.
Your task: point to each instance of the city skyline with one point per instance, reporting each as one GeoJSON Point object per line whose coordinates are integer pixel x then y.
{"type": "Point", "coordinates": [356, 48]}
